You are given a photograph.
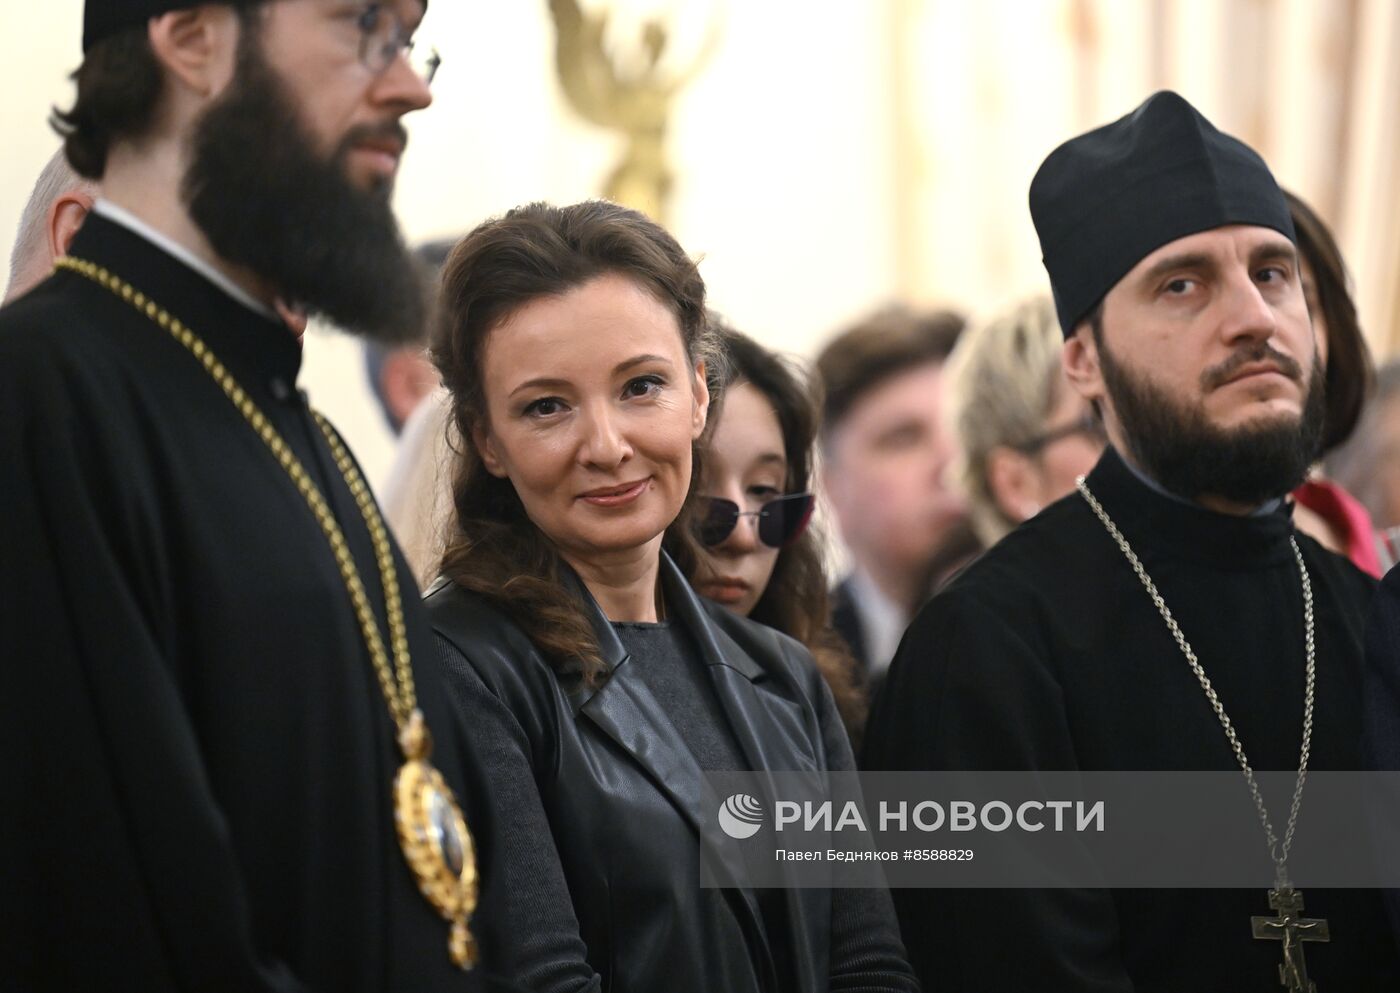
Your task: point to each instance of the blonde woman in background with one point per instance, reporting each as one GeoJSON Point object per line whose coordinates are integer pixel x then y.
{"type": "Point", "coordinates": [1025, 435]}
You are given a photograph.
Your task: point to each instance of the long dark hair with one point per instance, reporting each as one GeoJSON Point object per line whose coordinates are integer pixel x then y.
{"type": "Point", "coordinates": [1351, 375]}
{"type": "Point", "coordinates": [795, 600]}
{"type": "Point", "coordinates": [493, 548]}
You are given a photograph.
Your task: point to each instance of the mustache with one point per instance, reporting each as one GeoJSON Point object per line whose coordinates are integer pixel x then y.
{"type": "Point", "coordinates": [392, 129]}
{"type": "Point", "coordinates": [1219, 375]}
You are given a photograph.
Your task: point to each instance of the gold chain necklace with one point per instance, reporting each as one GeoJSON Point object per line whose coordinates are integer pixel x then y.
{"type": "Point", "coordinates": [1289, 926]}
{"type": "Point", "coordinates": [431, 829]}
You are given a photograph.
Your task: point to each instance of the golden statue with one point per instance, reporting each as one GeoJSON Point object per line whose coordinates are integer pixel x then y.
{"type": "Point", "coordinates": [637, 101]}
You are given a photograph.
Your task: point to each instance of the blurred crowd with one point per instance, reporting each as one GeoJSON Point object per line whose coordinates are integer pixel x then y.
{"type": "Point", "coordinates": [245, 753]}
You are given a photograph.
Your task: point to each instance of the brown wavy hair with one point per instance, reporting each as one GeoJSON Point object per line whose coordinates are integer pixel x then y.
{"type": "Point", "coordinates": [535, 251]}
{"type": "Point", "coordinates": [795, 600]}
{"type": "Point", "coordinates": [1351, 375]}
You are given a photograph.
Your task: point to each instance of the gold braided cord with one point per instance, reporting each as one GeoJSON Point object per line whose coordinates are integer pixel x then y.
{"type": "Point", "coordinates": [398, 693]}
{"type": "Point", "coordinates": [405, 698]}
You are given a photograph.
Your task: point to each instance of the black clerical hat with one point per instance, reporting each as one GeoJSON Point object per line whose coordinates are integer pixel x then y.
{"type": "Point", "coordinates": [1105, 200]}
{"type": "Point", "coordinates": [102, 18]}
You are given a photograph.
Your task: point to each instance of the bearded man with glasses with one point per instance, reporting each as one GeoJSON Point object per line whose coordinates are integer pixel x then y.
{"type": "Point", "coordinates": [221, 696]}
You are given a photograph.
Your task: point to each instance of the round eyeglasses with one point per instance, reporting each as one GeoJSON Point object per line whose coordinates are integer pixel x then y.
{"type": "Point", "coordinates": [383, 38]}
{"type": "Point", "coordinates": [780, 521]}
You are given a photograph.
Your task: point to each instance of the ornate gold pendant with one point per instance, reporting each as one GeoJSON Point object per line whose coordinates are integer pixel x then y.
{"type": "Point", "coordinates": [435, 840]}
{"type": "Point", "coordinates": [431, 828]}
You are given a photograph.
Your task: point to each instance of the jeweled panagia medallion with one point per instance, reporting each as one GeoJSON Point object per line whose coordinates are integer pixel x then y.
{"type": "Point", "coordinates": [435, 839]}
{"type": "Point", "coordinates": [432, 831]}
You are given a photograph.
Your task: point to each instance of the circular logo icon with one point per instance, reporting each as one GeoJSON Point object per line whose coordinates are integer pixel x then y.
{"type": "Point", "coordinates": [741, 816]}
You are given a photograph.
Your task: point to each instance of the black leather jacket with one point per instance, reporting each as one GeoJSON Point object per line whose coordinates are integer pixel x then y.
{"type": "Point", "coordinates": [590, 854]}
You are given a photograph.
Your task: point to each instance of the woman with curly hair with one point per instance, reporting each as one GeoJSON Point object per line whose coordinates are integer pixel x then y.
{"type": "Point", "coordinates": [762, 560]}
{"type": "Point", "coordinates": [597, 686]}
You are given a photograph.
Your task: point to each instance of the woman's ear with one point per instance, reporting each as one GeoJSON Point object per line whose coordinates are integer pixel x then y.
{"type": "Point", "coordinates": [700, 411]}
{"type": "Point", "coordinates": [486, 448]}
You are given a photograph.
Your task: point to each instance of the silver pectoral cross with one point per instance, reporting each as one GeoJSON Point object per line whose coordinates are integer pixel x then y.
{"type": "Point", "coordinates": [1292, 928]}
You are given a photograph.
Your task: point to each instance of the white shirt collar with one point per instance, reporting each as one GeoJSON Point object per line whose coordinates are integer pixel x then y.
{"type": "Point", "coordinates": [128, 220]}
{"type": "Point", "coordinates": [882, 621]}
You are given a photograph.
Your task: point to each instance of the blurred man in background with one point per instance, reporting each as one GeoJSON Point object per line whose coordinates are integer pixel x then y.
{"type": "Point", "coordinates": [886, 450]}
{"type": "Point", "coordinates": [402, 376]}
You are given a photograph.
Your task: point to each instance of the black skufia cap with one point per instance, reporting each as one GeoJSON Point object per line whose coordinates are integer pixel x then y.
{"type": "Point", "coordinates": [1104, 201]}
{"type": "Point", "coordinates": [104, 18]}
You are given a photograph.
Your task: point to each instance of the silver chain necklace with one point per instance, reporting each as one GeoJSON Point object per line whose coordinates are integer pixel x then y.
{"type": "Point", "coordinates": [1279, 854]}
{"type": "Point", "coordinates": [1288, 926]}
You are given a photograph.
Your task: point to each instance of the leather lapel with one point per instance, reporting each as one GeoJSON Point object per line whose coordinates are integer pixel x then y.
{"type": "Point", "coordinates": [625, 709]}
{"type": "Point", "coordinates": [776, 730]}
{"type": "Point", "coordinates": [627, 712]}
{"type": "Point", "coordinates": [734, 672]}
{"type": "Point", "coordinates": [777, 733]}
{"type": "Point", "coordinates": [787, 733]}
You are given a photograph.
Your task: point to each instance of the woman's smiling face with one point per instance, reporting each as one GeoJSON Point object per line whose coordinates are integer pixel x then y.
{"type": "Point", "coordinates": [592, 408]}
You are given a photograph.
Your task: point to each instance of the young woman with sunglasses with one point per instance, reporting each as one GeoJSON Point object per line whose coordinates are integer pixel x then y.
{"type": "Point", "coordinates": [761, 560]}
{"type": "Point", "coordinates": [596, 686]}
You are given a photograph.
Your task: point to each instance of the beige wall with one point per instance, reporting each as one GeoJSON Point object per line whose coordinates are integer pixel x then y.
{"type": "Point", "coordinates": [990, 88]}
{"type": "Point", "coordinates": [39, 51]}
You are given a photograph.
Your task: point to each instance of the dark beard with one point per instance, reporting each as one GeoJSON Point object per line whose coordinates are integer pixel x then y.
{"type": "Point", "coordinates": [268, 202]}
{"type": "Point", "coordinates": [1176, 444]}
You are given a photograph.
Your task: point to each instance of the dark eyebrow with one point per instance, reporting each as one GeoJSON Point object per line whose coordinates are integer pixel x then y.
{"type": "Point", "coordinates": [546, 383]}
{"type": "Point", "coordinates": [540, 384]}
{"type": "Point", "coordinates": [1186, 260]}
{"type": "Point", "coordinates": [1273, 251]}
{"type": "Point", "coordinates": [640, 360]}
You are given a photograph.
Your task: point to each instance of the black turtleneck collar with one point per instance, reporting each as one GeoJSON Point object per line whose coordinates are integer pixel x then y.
{"type": "Point", "coordinates": [252, 346]}
{"type": "Point", "coordinates": [1156, 524]}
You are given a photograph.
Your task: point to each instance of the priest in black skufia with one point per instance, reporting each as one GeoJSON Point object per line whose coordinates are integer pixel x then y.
{"type": "Point", "coordinates": [1171, 254]}
{"type": "Point", "coordinates": [216, 665]}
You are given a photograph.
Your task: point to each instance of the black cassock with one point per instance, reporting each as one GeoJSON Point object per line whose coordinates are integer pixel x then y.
{"type": "Point", "coordinates": [197, 758]}
{"type": "Point", "coordinates": [1047, 653]}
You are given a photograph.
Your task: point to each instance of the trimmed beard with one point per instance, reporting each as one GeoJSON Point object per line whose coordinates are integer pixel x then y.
{"type": "Point", "coordinates": [267, 201]}
{"type": "Point", "coordinates": [1176, 444]}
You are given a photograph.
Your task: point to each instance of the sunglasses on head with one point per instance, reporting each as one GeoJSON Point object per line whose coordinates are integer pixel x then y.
{"type": "Point", "coordinates": [779, 520]}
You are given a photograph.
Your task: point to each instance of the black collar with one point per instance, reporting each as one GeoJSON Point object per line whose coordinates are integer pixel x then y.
{"type": "Point", "coordinates": [253, 347]}
{"type": "Point", "coordinates": [1153, 522]}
